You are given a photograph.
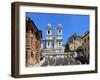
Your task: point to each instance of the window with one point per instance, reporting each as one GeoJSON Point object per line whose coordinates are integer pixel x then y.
{"type": "Point", "coordinates": [48, 43]}
{"type": "Point", "coordinates": [26, 56]}
{"type": "Point", "coordinates": [31, 41]}
{"type": "Point", "coordinates": [85, 49]}
{"type": "Point", "coordinates": [88, 37]}
{"type": "Point", "coordinates": [59, 32]}
{"type": "Point", "coordinates": [48, 32]}
{"type": "Point", "coordinates": [59, 43]}
{"type": "Point", "coordinates": [85, 40]}
{"type": "Point", "coordinates": [32, 54]}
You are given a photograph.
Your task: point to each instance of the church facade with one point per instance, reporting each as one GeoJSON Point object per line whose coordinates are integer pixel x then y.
{"type": "Point", "coordinates": [53, 41]}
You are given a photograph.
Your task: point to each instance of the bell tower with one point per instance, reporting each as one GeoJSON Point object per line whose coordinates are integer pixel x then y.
{"type": "Point", "coordinates": [48, 36]}
{"type": "Point", "coordinates": [59, 35]}
{"type": "Point", "coordinates": [48, 30]}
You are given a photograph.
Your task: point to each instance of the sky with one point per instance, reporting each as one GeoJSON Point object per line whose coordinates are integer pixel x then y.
{"type": "Point", "coordinates": [71, 23]}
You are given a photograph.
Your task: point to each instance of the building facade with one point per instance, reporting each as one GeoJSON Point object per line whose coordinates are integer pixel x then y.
{"type": "Point", "coordinates": [53, 41]}
{"type": "Point", "coordinates": [33, 41]}
{"type": "Point", "coordinates": [86, 41]}
{"type": "Point", "coordinates": [74, 42]}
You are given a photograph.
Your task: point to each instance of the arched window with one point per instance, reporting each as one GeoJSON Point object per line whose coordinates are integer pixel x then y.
{"type": "Point", "coordinates": [32, 54]}
{"type": "Point", "coordinates": [59, 43]}
{"type": "Point", "coordinates": [48, 43]}
{"type": "Point", "coordinates": [48, 31]}
{"type": "Point", "coordinates": [59, 31]}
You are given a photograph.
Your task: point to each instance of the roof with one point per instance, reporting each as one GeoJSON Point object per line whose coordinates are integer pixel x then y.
{"type": "Point", "coordinates": [30, 21]}
{"type": "Point", "coordinates": [31, 25]}
{"type": "Point", "coordinates": [86, 33]}
{"type": "Point", "coordinates": [48, 27]}
{"type": "Point", "coordinates": [74, 35]}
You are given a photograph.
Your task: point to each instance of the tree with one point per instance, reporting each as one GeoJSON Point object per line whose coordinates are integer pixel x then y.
{"type": "Point", "coordinates": [81, 57]}
{"type": "Point", "coordinates": [66, 47]}
{"type": "Point", "coordinates": [80, 49]}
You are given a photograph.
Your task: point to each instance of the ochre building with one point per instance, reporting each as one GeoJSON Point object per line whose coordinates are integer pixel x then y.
{"type": "Point", "coordinates": [33, 41]}
{"type": "Point", "coordinates": [85, 39]}
{"type": "Point", "coordinates": [74, 42]}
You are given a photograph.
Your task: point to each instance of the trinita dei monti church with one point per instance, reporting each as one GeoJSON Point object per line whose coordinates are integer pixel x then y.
{"type": "Point", "coordinates": [53, 42]}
